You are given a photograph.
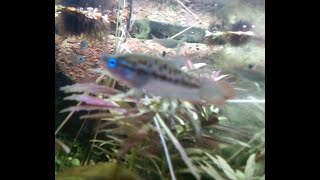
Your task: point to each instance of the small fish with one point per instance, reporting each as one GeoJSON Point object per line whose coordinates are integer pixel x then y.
{"type": "Point", "coordinates": [78, 59]}
{"type": "Point", "coordinates": [157, 76]}
{"type": "Point", "coordinates": [169, 43]}
{"type": "Point", "coordinates": [83, 44]}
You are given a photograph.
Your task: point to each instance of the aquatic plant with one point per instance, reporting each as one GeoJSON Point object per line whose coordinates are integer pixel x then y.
{"type": "Point", "coordinates": [143, 30]}
{"type": "Point", "coordinates": [77, 22]}
{"type": "Point", "coordinates": [159, 138]}
{"type": "Point", "coordinates": [128, 129]}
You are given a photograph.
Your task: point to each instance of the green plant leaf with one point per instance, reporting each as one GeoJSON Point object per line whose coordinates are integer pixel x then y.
{"type": "Point", "coordinates": [210, 170]}
{"type": "Point", "coordinates": [240, 175]}
{"type": "Point", "coordinates": [226, 168]}
{"type": "Point", "coordinates": [75, 162]}
{"type": "Point", "coordinates": [212, 158]}
{"type": "Point", "coordinates": [250, 167]}
{"type": "Point", "coordinates": [192, 151]}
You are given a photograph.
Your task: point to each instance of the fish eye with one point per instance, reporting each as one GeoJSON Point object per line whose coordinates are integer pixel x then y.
{"type": "Point", "coordinates": [112, 63]}
{"type": "Point", "coordinates": [250, 66]}
{"type": "Point", "coordinates": [81, 59]}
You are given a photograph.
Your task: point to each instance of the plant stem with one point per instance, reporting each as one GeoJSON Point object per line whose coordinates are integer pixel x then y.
{"type": "Point", "coordinates": [165, 149]}
{"type": "Point", "coordinates": [178, 147]}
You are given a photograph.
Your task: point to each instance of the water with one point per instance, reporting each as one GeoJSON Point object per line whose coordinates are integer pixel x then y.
{"type": "Point", "coordinates": [227, 35]}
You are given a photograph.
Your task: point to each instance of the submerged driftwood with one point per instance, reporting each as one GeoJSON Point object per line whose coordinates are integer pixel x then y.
{"type": "Point", "coordinates": [164, 30]}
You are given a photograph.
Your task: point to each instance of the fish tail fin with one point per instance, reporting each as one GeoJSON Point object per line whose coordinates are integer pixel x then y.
{"type": "Point", "coordinates": [216, 92]}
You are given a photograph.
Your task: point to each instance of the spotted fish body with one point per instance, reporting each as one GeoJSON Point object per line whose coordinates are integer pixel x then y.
{"type": "Point", "coordinates": [158, 77]}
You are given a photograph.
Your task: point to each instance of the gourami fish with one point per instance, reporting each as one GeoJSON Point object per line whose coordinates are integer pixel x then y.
{"type": "Point", "coordinates": [159, 77]}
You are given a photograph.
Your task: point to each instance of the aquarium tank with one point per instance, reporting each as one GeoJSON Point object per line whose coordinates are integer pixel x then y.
{"type": "Point", "coordinates": [160, 89]}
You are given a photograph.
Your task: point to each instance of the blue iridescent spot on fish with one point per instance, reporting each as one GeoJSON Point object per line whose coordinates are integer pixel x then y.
{"type": "Point", "coordinates": [112, 62]}
{"type": "Point", "coordinates": [124, 70]}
